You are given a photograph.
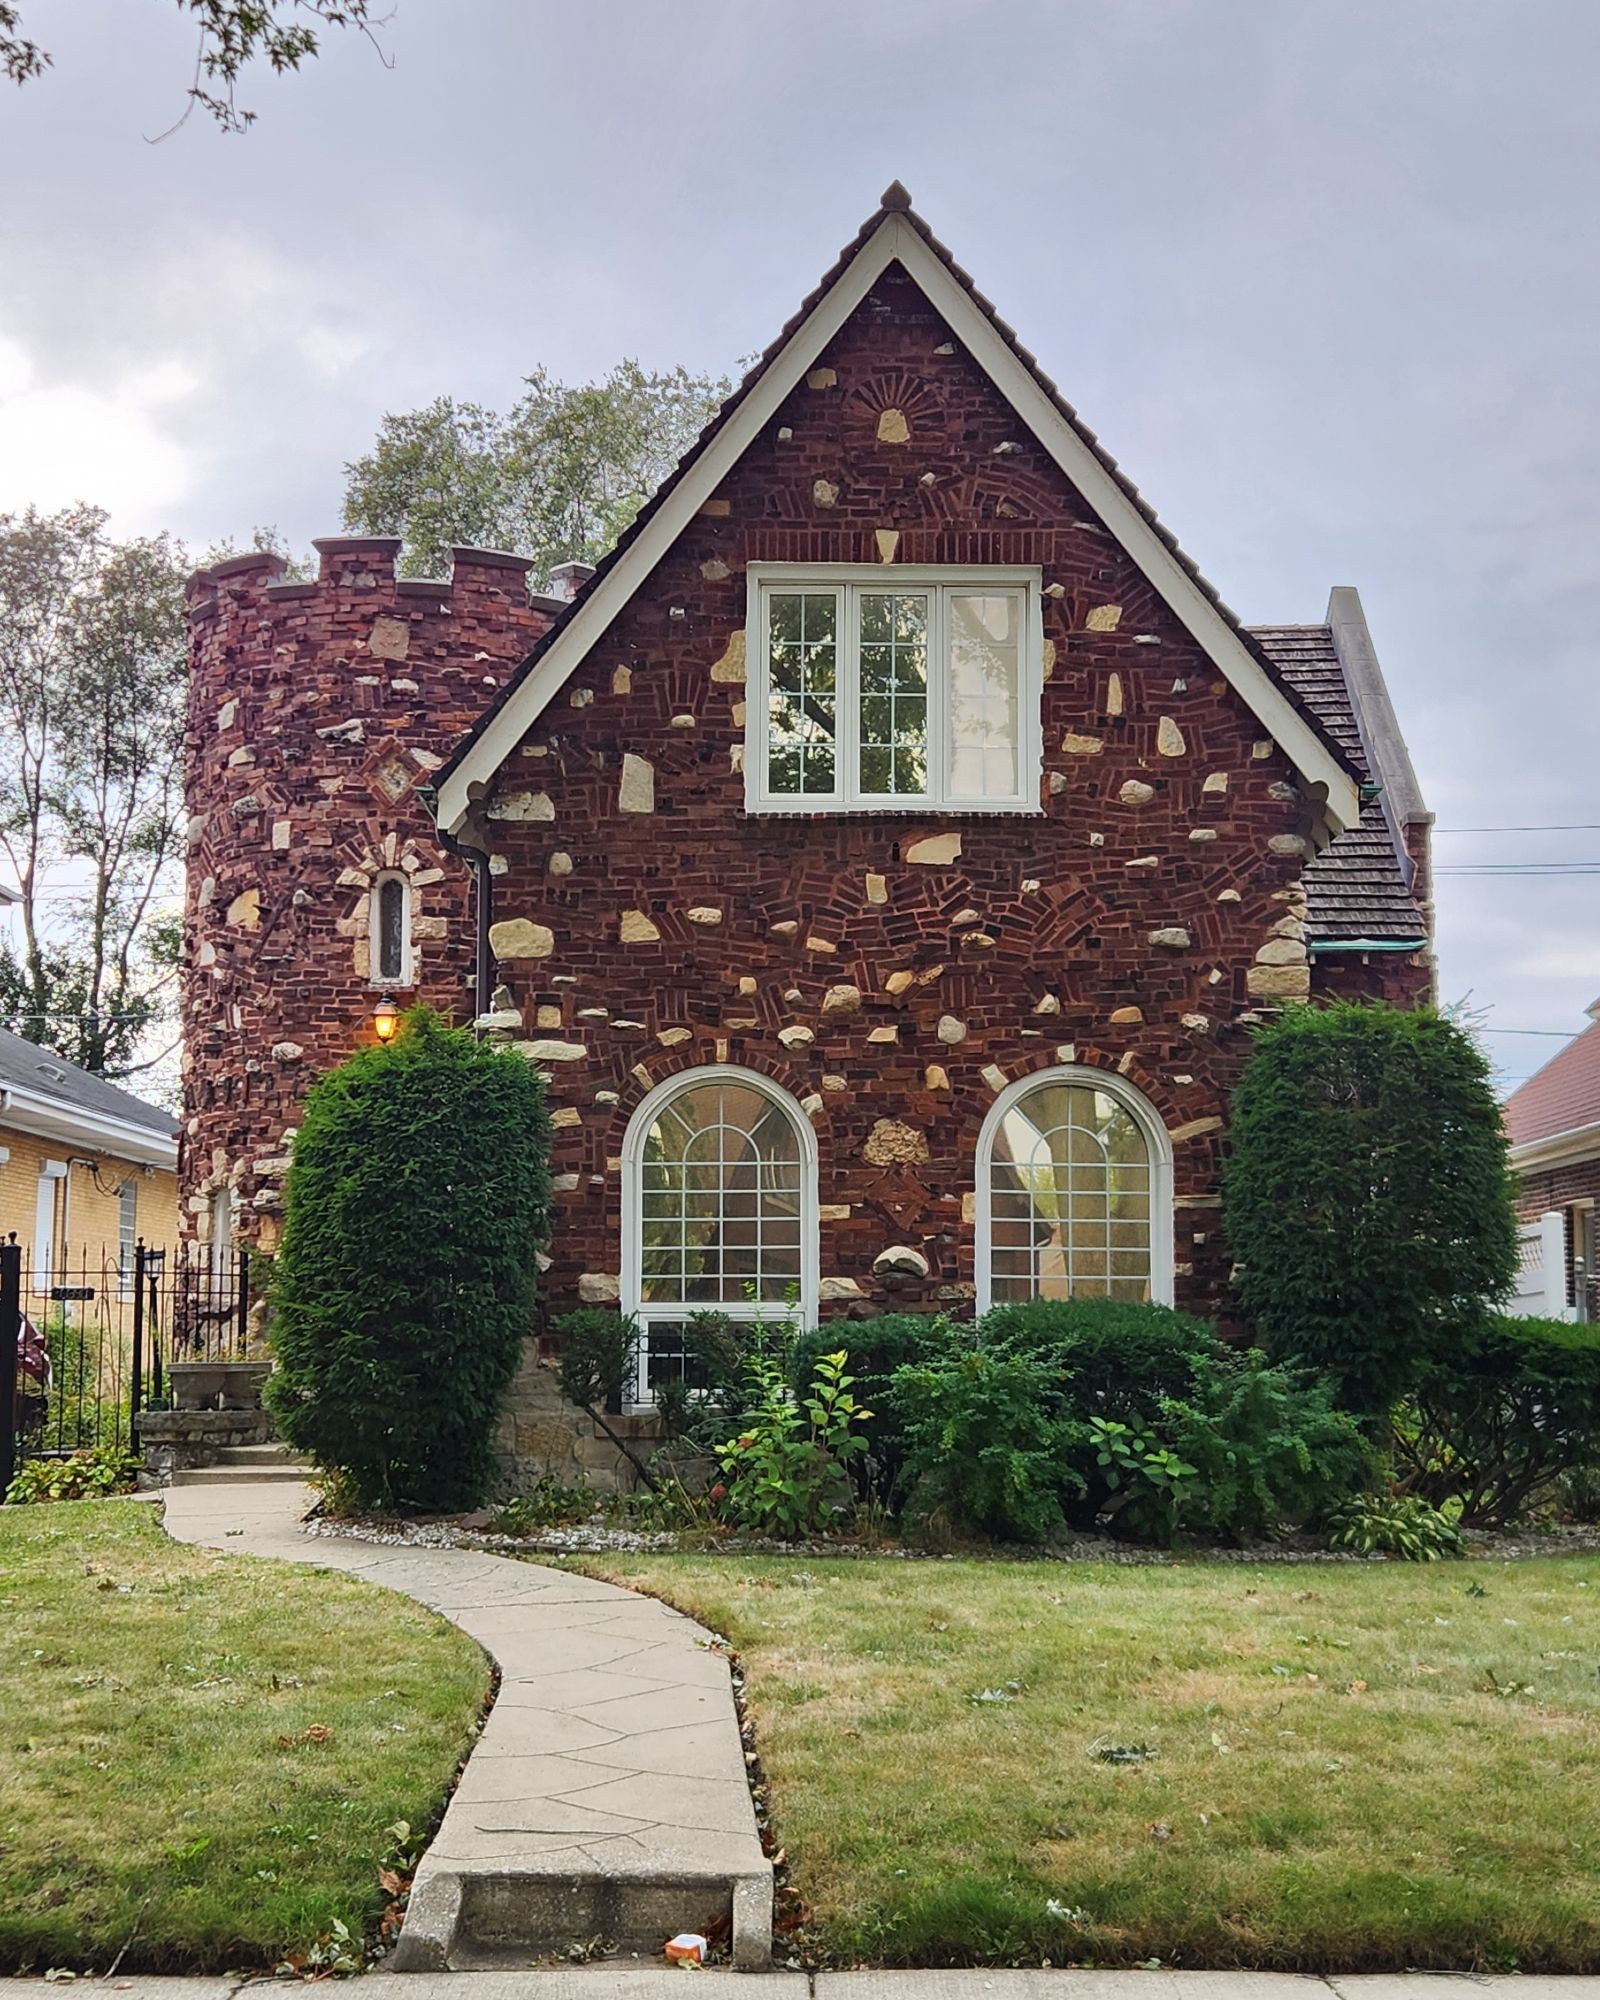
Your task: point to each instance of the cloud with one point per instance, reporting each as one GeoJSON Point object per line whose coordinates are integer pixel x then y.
{"type": "Point", "coordinates": [106, 442]}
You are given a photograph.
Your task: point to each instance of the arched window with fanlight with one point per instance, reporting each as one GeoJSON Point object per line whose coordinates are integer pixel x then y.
{"type": "Point", "coordinates": [1074, 1192]}
{"type": "Point", "coordinates": [389, 931]}
{"type": "Point", "coordinates": [719, 1212]}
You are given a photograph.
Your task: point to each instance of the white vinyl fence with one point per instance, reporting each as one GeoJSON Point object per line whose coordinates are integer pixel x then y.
{"type": "Point", "coordinates": [1541, 1287]}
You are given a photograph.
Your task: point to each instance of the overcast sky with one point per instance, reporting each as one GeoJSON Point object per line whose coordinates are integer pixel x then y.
{"type": "Point", "coordinates": [1323, 274]}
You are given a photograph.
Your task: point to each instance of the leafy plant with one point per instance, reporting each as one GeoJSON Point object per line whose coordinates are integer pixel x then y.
{"type": "Point", "coordinates": [989, 1443]}
{"type": "Point", "coordinates": [1394, 1525]}
{"type": "Point", "coordinates": [547, 1504]}
{"type": "Point", "coordinates": [595, 1369]}
{"type": "Point", "coordinates": [1367, 1194]}
{"type": "Point", "coordinates": [1506, 1416]}
{"type": "Point", "coordinates": [1149, 1482]}
{"type": "Point", "coordinates": [85, 1475]}
{"type": "Point", "coordinates": [403, 1290]}
{"type": "Point", "coordinates": [1266, 1443]}
{"type": "Point", "coordinates": [785, 1471]}
{"type": "Point", "coordinates": [877, 1348]}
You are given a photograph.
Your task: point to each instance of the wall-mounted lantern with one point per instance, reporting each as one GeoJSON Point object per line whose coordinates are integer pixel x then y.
{"type": "Point", "coordinates": [386, 1018]}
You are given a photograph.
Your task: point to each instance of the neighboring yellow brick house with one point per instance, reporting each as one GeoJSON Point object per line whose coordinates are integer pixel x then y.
{"type": "Point", "coordinates": [86, 1169]}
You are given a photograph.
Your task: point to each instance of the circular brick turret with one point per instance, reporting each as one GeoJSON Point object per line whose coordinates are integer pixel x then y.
{"type": "Point", "coordinates": [316, 711]}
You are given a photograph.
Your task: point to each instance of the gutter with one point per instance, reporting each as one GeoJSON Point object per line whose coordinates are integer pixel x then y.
{"type": "Point", "coordinates": [1316, 946]}
{"type": "Point", "coordinates": [48, 1118]}
{"type": "Point", "coordinates": [482, 900]}
{"type": "Point", "coordinates": [1559, 1149]}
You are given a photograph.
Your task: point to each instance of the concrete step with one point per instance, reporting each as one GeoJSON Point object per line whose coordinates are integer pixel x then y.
{"type": "Point", "coordinates": [270, 1453]}
{"type": "Point", "coordinates": [287, 1471]}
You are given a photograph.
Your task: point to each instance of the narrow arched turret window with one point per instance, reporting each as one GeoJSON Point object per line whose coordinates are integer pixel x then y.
{"type": "Point", "coordinates": [389, 931]}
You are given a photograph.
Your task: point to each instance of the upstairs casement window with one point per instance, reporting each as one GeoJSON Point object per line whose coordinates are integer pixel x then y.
{"type": "Point", "coordinates": [887, 689]}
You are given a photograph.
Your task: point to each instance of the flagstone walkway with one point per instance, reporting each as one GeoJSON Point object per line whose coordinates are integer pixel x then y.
{"type": "Point", "coordinates": [607, 1796]}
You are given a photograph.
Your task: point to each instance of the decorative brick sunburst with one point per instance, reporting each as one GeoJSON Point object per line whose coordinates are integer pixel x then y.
{"type": "Point", "coordinates": [892, 407]}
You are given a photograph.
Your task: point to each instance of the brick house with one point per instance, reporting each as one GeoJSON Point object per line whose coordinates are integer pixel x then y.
{"type": "Point", "coordinates": [1553, 1123]}
{"type": "Point", "coordinates": [884, 852]}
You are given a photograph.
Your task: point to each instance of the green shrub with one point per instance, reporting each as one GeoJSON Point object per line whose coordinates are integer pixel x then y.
{"type": "Point", "coordinates": [548, 1503]}
{"type": "Point", "coordinates": [785, 1471]}
{"type": "Point", "coordinates": [991, 1445]}
{"type": "Point", "coordinates": [1367, 1195]}
{"type": "Point", "coordinates": [1268, 1447]}
{"type": "Point", "coordinates": [1506, 1415]}
{"type": "Point", "coordinates": [87, 1475]}
{"type": "Point", "coordinates": [1394, 1525]}
{"type": "Point", "coordinates": [877, 1347]}
{"type": "Point", "coordinates": [1124, 1357]}
{"type": "Point", "coordinates": [1077, 1412]}
{"type": "Point", "coordinates": [403, 1291]}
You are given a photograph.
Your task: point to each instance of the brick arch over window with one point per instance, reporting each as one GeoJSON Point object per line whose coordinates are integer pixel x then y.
{"type": "Point", "coordinates": [1074, 1192]}
{"type": "Point", "coordinates": [719, 1210]}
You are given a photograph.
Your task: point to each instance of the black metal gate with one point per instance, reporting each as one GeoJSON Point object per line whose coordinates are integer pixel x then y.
{"type": "Point", "coordinates": [86, 1344]}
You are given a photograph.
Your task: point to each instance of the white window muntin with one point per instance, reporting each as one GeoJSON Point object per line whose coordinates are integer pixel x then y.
{"type": "Point", "coordinates": [941, 584]}
{"type": "Point", "coordinates": [672, 1312]}
{"type": "Point", "coordinates": [1158, 1148]}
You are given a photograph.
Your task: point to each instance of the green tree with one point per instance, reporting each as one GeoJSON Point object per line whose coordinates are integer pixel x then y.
{"type": "Point", "coordinates": [1367, 1194]}
{"type": "Point", "coordinates": [558, 477]}
{"type": "Point", "coordinates": [402, 1293]}
{"type": "Point", "coordinates": [232, 34]}
{"type": "Point", "coordinates": [92, 675]}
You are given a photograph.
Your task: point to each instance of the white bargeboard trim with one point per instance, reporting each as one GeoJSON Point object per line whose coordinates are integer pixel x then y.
{"type": "Point", "coordinates": [896, 241]}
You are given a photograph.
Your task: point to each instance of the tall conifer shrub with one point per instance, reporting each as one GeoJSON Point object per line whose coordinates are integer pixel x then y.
{"type": "Point", "coordinates": [403, 1289]}
{"type": "Point", "coordinates": [1367, 1194]}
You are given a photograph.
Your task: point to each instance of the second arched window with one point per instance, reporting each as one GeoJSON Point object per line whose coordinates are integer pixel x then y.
{"type": "Point", "coordinates": [1073, 1193]}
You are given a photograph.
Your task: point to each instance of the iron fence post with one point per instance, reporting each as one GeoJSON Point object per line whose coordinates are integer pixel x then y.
{"type": "Point", "coordinates": [136, 1386]}
{"type": "Point", "coordinates": [242, 1336]}
{"type": "Point", "coordinates": [10, 1333]}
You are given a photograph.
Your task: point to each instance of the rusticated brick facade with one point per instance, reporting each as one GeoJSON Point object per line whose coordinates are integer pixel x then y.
{"type": "Point", "coordinates": [315, 710]}
{"type": "Point", "coordinates": [892, 971]}
{"type": "Point", "coordinates": [1134, 925]}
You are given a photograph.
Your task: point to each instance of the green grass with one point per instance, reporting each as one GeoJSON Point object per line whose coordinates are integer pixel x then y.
{"type": "Point", "coordinates": [1359, 1766]}
{"type": "Point", "coordinates": [158, 1795]}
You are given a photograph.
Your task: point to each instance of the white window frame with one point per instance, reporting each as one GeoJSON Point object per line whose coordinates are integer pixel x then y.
{"type": "Point", "coordinates": [848, 580]}
{"type": "Point", "coordinates": [1157, 1143]}
{"type": "Point", "coordinates": [127, 1234]}
{"type": "Point", "coordinates": [774, 1311]}
{"type": "Point", "coordinates": [407, 973]}
{"type": "Point", "coordinates": [46, 1222]}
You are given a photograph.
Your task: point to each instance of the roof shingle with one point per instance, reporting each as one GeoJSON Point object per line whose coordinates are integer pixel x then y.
{"type": "Point", "coordinates": [1356, 887]}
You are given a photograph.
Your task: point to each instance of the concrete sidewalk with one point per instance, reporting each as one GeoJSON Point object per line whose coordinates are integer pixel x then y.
{"type": "Point", "coordinates": [607, 1796]}
{"type": "Point", "coordinates": [623, 1982]}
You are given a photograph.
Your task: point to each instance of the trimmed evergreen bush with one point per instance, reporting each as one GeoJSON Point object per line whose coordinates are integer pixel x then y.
{"type": "Point", "coordinates": [403, 1289]}
{"type": "Point", "coordinates": [1507, 1414]}
{"type": "Point", "coordinates": [1367, 1194]}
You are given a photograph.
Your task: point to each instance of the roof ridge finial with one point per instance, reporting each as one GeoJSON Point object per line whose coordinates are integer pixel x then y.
{"type": "Point", "coordinates": [895, 197]}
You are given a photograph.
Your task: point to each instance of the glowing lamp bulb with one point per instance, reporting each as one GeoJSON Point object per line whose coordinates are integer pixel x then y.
{"type": "Point", "coordinates": [386, 1018]}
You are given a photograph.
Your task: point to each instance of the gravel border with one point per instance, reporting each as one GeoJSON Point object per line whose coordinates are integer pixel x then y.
{"type": "Point", "coordinates": [595, 1538]}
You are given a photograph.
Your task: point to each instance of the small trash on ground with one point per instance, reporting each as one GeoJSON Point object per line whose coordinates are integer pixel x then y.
{"type": "Point", "coordinates": [687, 1948]}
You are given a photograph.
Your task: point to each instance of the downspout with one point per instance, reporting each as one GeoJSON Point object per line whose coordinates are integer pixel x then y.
{"type": "Point", "coordinates": [482, 903]}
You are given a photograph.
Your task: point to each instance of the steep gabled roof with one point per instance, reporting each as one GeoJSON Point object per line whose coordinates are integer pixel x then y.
{"type": "Point", "coordinates": [894, 234]}
{"type": "Point", "coordinates": [1562, 1097]}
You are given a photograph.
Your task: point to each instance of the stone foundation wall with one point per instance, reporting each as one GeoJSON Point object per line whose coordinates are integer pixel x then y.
{"type": "Point", "coordinates": [541, 1433]}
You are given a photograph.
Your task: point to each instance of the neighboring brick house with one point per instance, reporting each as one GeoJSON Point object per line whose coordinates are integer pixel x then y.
{"type": "Point", "coordinates": [86, 1169]}
{"type": "Point", "coordinates": [1553, 1123]}
{"type": "Point", "coordinates": [885, 852]}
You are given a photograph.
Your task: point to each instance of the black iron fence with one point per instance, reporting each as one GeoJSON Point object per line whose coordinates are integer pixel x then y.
{"type": "Point", "coordinates": [87, 1342]}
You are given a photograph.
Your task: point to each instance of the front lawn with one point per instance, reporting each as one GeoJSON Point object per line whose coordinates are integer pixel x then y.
{"type": "Point", "coordinates": [201, 1752]}
{"type": "Point", "coordinates": [1309, 1767]}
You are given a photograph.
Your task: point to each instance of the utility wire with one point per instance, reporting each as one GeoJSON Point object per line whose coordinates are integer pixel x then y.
{"type": "Point", "coordinates": [1570, 826]}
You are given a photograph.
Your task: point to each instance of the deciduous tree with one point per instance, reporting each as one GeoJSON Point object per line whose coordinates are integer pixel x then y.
{"type": "Point", "coordinates": [558, 477]}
